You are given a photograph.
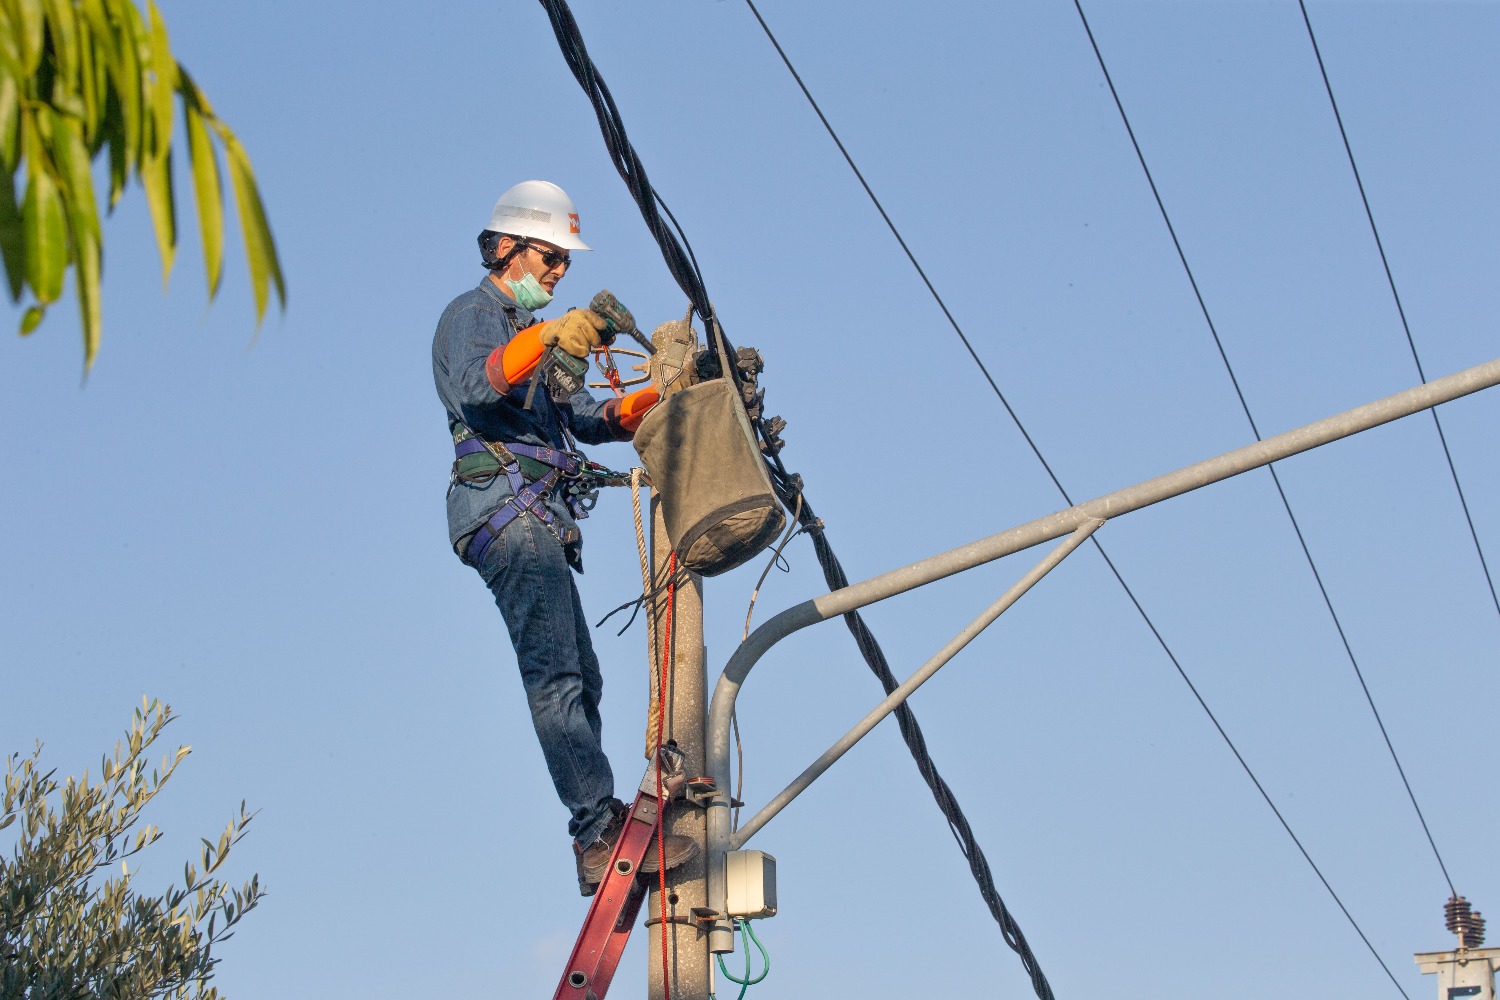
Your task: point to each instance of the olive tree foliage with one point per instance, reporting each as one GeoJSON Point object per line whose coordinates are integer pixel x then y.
{"type": "Point", "coordinates": [81, 79]}
{"type": "Point", "coordinates": [72, 923]}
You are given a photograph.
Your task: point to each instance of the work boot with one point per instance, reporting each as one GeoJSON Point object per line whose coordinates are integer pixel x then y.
{"type": "Point", "coordinates": [593, 860]}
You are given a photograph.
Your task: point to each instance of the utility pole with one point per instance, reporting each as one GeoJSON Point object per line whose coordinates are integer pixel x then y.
{"type": "Point", "coordinates": [687, 959]}
{"type": "Point", "coordinates": [1469, 971]}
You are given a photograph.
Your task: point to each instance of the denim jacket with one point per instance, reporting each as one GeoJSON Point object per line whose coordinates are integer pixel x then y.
{"type": "Point", "coordinates": [472, 326]}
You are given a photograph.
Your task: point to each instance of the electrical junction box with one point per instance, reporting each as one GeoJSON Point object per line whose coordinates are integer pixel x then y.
{"type": "Point", "coordinates": [750, 877]}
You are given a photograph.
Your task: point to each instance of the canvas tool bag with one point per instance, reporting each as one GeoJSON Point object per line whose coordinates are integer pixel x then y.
{"type": "Point", "coordinates": [706, 468]}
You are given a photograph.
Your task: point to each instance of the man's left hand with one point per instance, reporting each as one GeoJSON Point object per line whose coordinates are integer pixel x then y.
{"type": "Point", "coordinates": [575, 331]}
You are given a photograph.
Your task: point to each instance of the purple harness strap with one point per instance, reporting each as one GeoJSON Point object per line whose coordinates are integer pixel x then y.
{"type": "Point", "coordinates": [566, 461]}
{"type": "Point", "coordinates": [527, 497]}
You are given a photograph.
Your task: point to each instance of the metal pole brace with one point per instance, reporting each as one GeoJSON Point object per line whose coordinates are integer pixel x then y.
{"type": "Point", "coordinates": [698, 916]}
{"type": "Point", "coordinates": [704, 792]}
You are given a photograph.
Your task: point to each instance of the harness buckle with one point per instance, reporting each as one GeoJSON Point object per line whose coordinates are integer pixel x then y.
{"type": "Point", "coordinates": [581, 501]}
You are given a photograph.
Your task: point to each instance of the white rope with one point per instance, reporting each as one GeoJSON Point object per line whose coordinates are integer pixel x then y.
{"type": "Point", "coordinates": [653, 708]}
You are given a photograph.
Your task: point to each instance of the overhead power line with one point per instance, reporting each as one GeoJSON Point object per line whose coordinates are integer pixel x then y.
{"type": "Point", "coordinates": [1400, 309]}
{"type": "Point", "coordinates": [1058, 484]}
{"type": "Point", "coordinates": [1301, 539]}
{"type": "Point", "coordinates": [1275, 478]}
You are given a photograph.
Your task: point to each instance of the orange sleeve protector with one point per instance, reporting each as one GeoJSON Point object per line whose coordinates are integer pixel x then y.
{"type": "Point", "coordinates": [634, 406]}
{"type": "Point", "coordinates": [512, 363]}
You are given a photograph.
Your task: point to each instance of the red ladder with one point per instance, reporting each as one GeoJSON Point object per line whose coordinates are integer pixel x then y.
{"type": "Point", "coordinates": [618, 900]}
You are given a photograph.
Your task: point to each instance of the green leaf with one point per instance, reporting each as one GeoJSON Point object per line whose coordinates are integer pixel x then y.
{"type": "Point", "coordinates": [210, 196]}
{"type": "Point", "coordinates": [113, 132]}
{"type": "Point", "coordinates": [31, 319]}
{"type": "Point", "coordinates": [125, 71]}
{"type": "Point", "coordinates": [100, 55]}
{"type": "Point", "coordinates": [45, 227]}
{"type": "Point", "coordinates": [163, 82]}
{"type": "Point", "coordinates": [72, 158]}
{"type": "Point", "coordinates": [12, 238]}
{"type": "Point", "coordinates": [10, 120]}
{"type": "Point", "coordinates": [91, 85]}
{"type": "Point", "coordinates": [62, 24]}
{"type": "Point", "coordinates": [26, 18]}
{"type": "Point", "coordinates": [10, 52]}
{"type": "Point", "coordinates": [87, 271]}
{"type": "Point", "coordinates": [156, 177]}
{"type": "Point", "coordinates": [260, 249]}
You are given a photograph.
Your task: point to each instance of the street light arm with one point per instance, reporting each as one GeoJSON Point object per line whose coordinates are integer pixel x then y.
{"type": "Point", "coordinates": [977, 553]}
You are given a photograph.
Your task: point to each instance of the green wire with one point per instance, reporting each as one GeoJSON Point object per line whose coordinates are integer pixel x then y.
{"type": "Point", "coordinates": [747, 935]}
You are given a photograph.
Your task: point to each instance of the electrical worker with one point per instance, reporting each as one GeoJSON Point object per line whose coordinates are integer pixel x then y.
{"type": "Point", "coordinates": [511, 505]}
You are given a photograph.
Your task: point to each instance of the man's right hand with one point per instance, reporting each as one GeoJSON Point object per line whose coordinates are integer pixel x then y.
{"type": "Point", "coordinates": [575, 331]}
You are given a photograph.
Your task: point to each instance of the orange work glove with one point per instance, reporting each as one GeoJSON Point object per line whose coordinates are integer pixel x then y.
{"type": "Point", "coordinates": [633, 407]}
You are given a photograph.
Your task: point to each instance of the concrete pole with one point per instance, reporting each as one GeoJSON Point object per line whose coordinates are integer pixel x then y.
{"type": "Point", "coordinates": [687, 961]}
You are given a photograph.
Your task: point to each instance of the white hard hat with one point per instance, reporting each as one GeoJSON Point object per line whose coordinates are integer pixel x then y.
{"type": "Point", "coordinates": [541, 210]}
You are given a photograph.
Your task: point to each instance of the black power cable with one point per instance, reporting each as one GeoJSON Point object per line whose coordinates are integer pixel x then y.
{"type": "Point", "coordinates": [684, 269]}
{"type": "Point", "coordinates": [1401, 311]}
{"type": "Point", "coordinates": [677, 254]}
{"type": "Point", "coordinates": [1276, 479]}
{"type": "Point", "coordinates": [1245, 407]}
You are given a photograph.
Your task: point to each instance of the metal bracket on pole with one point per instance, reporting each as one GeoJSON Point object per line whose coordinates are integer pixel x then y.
{"type": "Point", "coordinates": [702, 792]}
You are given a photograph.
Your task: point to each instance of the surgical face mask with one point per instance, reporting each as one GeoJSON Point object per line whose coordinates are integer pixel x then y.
{"type": "Point", "coordinates": [529, 293]}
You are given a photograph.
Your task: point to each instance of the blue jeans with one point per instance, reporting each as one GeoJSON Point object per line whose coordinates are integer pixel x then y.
{"type": "Point", "coordinates": [527, 572]}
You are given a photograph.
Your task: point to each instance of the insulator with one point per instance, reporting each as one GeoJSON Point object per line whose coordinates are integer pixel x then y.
{"type": "Point", "coordinates": [1465, 922]}
{"type": "Point", "coordinates": [1457, 912]}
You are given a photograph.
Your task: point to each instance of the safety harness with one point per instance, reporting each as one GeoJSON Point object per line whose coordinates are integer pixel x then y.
{"type": "Point", "coordinates": [477, 459]}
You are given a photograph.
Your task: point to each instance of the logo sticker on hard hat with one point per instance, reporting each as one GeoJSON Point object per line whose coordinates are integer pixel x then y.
{"type": "Point", "coordinates": [572, 222]}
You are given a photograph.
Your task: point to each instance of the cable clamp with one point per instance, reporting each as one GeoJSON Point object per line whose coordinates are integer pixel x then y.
{"type": "Point", "coordinates": [703, 792]}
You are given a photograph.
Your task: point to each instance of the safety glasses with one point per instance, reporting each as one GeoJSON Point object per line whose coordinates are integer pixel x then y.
{"type": "Point", "coordinates": [552, 258]}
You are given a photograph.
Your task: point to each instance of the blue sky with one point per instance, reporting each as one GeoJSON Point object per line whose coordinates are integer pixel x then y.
{"type": "Point", "coordinates": [250, 525]}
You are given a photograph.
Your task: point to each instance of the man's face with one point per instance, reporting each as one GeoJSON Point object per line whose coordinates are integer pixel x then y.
{"type": "Point", "coordinates": [538, 258]}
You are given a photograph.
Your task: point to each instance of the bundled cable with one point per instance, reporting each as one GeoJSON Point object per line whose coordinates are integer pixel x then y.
{"type": "Point", "coordinates": [677, 253]}
{"type": "Point", "coordinates": [683, 266]}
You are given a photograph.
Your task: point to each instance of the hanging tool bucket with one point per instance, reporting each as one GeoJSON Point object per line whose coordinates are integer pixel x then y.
{"type": "Point", "coordinates": [706, 468]}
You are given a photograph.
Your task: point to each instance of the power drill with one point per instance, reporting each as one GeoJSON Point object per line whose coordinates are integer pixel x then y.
{"type": "Point", "coordinates": [566, 374]}
{"type": "Point", "coordinates": [618, 320]}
